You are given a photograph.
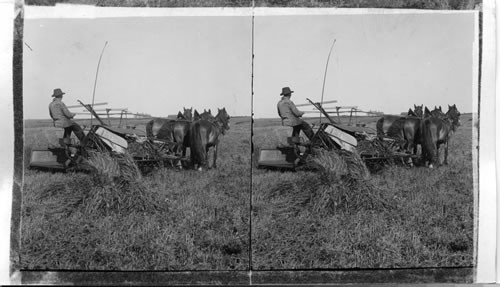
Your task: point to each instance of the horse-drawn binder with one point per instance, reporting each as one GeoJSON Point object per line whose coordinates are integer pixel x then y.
{"type": "Point", "coordinates": [334, 136]}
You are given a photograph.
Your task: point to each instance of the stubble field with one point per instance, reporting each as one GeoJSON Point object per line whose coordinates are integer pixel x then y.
{"type": "Point", "coordinates": [202, 222]}
{"type": "Point", "coordinates": [399, 217]}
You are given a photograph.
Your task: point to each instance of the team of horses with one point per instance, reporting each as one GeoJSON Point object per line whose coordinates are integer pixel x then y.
{"type": "Point", "coordinates": [429, 129]}
{"type": "Point", "coordinates": [198, 132]}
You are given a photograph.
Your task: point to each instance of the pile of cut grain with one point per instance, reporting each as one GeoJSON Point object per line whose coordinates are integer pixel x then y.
{"type": "Point", "coordinates": [114, 185]}
{"type": "Point", "coordinates": [340, 185]}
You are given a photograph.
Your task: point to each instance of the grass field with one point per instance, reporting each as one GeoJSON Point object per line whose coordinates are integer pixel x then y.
{"type": "Point", "coordinates": [426, 219]}
{"type": "Point", "coordinates": [398, 217]}
{"type": "Point", "coordinates": [202, 222]}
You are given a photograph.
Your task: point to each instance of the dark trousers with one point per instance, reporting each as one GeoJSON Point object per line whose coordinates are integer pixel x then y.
{"type": "Point", "coordinates": [305, 127]}
{"type": "Point", "coordinates": [76, 129]}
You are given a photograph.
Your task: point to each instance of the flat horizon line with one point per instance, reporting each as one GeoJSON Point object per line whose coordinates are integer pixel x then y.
{"type": "Point", "coordinates": [239, 116]}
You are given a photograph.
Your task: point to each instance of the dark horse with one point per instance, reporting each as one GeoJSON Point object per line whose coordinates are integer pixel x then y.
{"type": "Point", "coordinates": [403, 129]}
{"type": "Point", "coordinates": [206, 115]}
{"type": "Point", "coordinates": [437, 131]}
{"type": "Point", "coordinates": [171, 131]}
{"type": "Point", "coordinates": [408, 129]}
{"type": "Point", "coordinates": [203, 135]}
{"type": "Point", "coordinates": [411, 113]}
{"type": "Point", "coordinates": [196, 115]}
{"type": "Point", "coordinates": [186, 115]}
{"type": "Point", "coordinates": [385, 122]}
{"type": "Point", "coordinates": [417, 113]}
{"type": "Point", "coordinates": [437, 112]}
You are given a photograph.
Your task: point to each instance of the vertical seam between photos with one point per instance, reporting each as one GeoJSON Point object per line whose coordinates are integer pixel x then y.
{"type": "Point", "coordinates": [17, 90]}
{"type": "Point", "coordinates": [250, 258]}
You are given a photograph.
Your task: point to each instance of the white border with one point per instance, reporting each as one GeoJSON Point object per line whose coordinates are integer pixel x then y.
{"type": "Point", "coordinates": [7, 14]}
{"type": "Point", "coordinates": [495, 64]}
{"type": "Point", "coordinates": [487, 227]}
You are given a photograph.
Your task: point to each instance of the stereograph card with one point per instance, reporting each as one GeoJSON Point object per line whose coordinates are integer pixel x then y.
{"type": "Point", "coordinates": [250, 142]}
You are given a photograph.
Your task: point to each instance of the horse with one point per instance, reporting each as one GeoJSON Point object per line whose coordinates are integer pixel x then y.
{"type": "Point", "coordinates": [417, 112]}
{"type": "Point", "coordinates": [411, 113]}
{"type": "Point", "coordinates": [154, 125]}
{"type": "Point", "coordinates": [427, 112]}
{"type": "Point", "coordinates": [385, 122]}
{"type": "Point", "coordinates": [196, 115]}
{"type": "Point", "coordinates": [180, 116]}
{"type": "Point", "coordinates": [204, 134]}
{"type": "Point", "coordinates": [415, 132]}
{"type": "Point", "coordinates": [407, 130]}
{"type": "Point", "coordinates": [437, 131]}
{"type": "Point", "coordinates": [412, 128]}
{"type": "Point", "coordinates": [172, 131]}
{"type": "Point", "coordinates": [187, 115]}
{"type": "Point", "coordinates": [207, 115]}
{"type": "Point", "coordinates": [392, 126]}
{"type": "Point", "coordinates": [437, 112]}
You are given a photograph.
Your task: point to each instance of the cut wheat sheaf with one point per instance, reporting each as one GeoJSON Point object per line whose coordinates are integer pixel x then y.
{"type": "Point", "coordinates": [339, 185]}
{"type": "Point", "coordinates": [114, 185]}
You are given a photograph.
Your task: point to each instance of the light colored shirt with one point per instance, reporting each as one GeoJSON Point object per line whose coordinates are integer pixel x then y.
{"type": "Point", "coordinates": [288, 112]}
{"type": "Point", "coordinates": [60, 114]}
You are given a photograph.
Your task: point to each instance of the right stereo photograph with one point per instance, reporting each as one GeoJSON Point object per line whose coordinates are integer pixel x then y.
{"type": "Point", "coordinates": [363, 142]}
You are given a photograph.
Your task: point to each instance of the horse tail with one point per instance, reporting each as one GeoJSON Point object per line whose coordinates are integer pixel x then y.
{"type": "Point", "coordinates": [180, 132]}
{"type": "Point", "coordinates": [411, 131]}
{"type": "Point", "coordinates": [429, 140]}
{"type": "Point", "coordinates": [196, 144]}
{"type": "Point", "coordinates": [185, 139]}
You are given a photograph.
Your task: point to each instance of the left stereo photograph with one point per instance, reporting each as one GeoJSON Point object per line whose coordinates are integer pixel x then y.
{"type": "Point", "coordinates": [137, 143]}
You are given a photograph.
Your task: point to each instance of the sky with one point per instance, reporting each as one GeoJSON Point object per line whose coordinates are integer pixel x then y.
{"type": "Point", "coordinates": [383, 62]}
{"type": "Point", "coordinates": [155, 65]}
{"type": "Point", "coordinates": [158, 65]}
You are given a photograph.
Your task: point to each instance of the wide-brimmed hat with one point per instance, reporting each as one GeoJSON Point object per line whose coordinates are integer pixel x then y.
{"type": "Point", "coordinates": [285, 91]}
{"type": "Point", "coordinates": [57, 92]}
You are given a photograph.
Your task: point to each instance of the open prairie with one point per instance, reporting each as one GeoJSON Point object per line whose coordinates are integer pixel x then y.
{"type": "Point", "coordinates": [168, 220]}
{"type": "Point", "coordinates": [399, 217]}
